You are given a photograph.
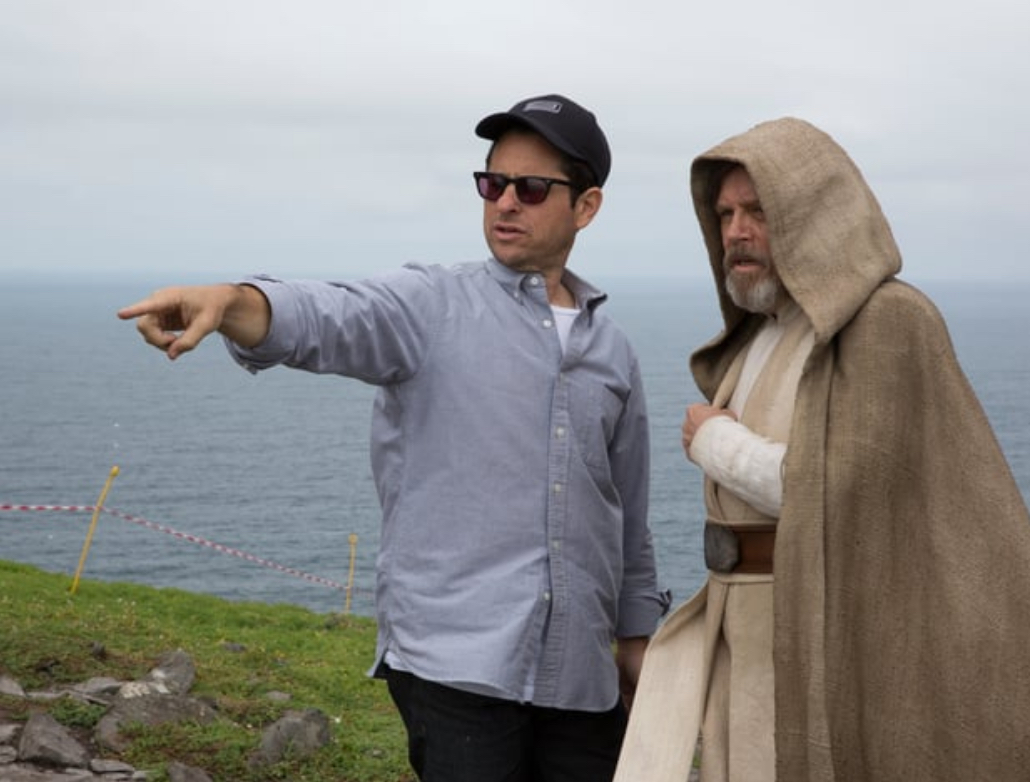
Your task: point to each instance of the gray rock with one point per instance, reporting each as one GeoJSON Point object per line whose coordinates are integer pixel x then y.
{"type": "Point", "coordinates": [179, 772]}
{"type": "Point", "coordinates": [28, 774]}
{"type": "Point", "coordinates": [100, 689]}
{"type": "Point", "coordinates": [101, 766]}
{"type": "Point", "coordinates": [9, 686]}
{"type": "Point", "coordinates": [297, 732]}
{"type": "Point", "coordinates": [148, 710]}
{"type": "Point", "coordinates": [47, 742]}
{"type": "Point", "coordinates": [175, 671]}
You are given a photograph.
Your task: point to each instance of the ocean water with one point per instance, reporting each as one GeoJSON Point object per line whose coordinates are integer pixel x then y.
{"type": "Point", "coordinates": [259, 488]}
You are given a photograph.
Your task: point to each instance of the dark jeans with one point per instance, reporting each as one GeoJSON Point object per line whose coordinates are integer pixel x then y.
{"type": "Point", "coordinates": [456, 736]}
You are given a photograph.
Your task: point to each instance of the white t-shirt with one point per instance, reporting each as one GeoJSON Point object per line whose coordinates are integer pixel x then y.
{"type": "Point", "coordinates": [563, 317]}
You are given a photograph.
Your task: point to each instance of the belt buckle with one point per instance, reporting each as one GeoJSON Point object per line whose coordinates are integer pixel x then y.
{"type": "Point", "coordinates": [722, 551]}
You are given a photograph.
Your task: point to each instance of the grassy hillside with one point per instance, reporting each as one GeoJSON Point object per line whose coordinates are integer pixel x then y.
{"type": "Point", "coordinates": [242, 651]}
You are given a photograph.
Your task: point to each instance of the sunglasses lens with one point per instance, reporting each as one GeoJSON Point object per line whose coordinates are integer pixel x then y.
{"type": "Point", "coordinates": [491, 186]}
{"type": "Point", "coordinates": [531, 189]}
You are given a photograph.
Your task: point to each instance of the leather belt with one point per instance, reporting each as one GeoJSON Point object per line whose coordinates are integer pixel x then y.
{"type": "Point", "coordinates": [739, 548]}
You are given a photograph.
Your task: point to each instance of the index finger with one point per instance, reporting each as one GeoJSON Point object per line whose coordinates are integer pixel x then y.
{"type": "Point", "coordinates": [142, 307]}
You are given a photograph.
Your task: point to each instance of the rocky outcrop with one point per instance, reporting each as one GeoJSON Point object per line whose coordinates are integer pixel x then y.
{"type": "Point", "coordinates": [43, 750]}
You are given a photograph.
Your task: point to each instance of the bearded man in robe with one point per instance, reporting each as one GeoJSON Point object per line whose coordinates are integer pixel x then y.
{"type": "Point", "coordinates": [867, 610]}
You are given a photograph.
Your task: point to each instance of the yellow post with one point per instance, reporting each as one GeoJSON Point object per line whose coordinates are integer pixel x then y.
{"type": "Point", "coordinates": [92, 527]}
{"type": "Point", "coordinates": [350, 573]}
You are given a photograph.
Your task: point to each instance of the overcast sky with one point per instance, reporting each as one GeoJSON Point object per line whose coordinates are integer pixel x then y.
{"type": "Point", "coordinates": [200, 139]}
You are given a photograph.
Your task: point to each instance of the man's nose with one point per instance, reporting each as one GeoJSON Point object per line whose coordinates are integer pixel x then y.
{"type": "Point", "coordinates": [508, 200]}
{"type": "Point", "coordinates": [739, 226]}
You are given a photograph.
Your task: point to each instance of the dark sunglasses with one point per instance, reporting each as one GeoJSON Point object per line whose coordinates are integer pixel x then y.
{"type": "Point", "coordinates": [528, 189]}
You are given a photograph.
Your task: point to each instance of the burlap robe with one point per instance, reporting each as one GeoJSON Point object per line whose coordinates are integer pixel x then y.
{"type": "Point", "coordinates": [902, 593]}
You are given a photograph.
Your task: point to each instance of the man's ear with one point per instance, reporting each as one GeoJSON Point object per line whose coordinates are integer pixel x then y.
{"type": "Point", "coordinates": [587, 206]}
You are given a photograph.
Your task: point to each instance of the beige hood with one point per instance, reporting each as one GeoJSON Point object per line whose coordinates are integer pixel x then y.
{"type": "Point", "coordinates": [814, 199]}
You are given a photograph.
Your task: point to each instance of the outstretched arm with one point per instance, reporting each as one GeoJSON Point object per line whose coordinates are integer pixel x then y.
{"type": "Point", "coordinates": [175, 320]}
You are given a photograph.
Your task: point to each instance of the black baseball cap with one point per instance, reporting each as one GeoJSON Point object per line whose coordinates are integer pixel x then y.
{"type": "Point", "coordinates": [564, 123]}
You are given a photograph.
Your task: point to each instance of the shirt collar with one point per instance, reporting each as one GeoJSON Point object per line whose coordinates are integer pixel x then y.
{"type": "Point", "coordinates": [587, 296]}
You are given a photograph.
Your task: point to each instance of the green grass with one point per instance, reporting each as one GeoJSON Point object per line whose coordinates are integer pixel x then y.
{"type": "Point", "coordinates": [51, 638]}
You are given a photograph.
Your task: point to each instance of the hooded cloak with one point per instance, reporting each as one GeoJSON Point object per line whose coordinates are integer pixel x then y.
{"type": "Point", "coordinates": [902, 561]}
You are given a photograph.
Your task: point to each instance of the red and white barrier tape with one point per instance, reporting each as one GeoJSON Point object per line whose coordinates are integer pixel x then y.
{"type": "Point", "coordinates": [182, 536]}
{"type": "Point", "coordinates": [73, 508]}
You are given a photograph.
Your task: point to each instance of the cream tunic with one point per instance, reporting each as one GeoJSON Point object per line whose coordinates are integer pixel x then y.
{"type": "Point", "coordinates": [724, 633]}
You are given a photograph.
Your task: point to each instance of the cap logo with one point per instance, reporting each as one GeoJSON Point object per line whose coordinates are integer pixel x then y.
{"type": "Point", "coordinates": [550, 106]}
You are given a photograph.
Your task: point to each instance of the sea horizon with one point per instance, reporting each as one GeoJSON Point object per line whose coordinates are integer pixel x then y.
{"type": "Point", "coordinates": [251, 487]}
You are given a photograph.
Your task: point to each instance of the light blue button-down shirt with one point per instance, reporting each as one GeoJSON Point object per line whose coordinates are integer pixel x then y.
{"type": "Point", "coordinates": [513, 477]}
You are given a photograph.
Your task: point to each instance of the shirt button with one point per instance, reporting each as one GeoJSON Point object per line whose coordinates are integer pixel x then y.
{"type": "Point", "coordinates": [547, 323]}
{"type": "Point", "coordinates": [557, 488]}
{"type": "Point", "coordinates": [547, 597]}
{"type": "Point", "coordinates": [534, 281]}
{"type": "Point", "coordinates": [559, 432]}
{"type": "Point", "coordinates": [556, 545]}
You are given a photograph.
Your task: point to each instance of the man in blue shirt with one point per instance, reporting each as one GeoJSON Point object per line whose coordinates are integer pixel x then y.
{"type": "Point", "coordinates": [510, 452]}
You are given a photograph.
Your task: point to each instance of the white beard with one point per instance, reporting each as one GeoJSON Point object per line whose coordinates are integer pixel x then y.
{"type": "Point", "coordinates": [761, 297]}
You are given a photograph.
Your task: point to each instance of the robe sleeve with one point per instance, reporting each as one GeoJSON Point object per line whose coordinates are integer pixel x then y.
{"type": "Point", "coordinates": [745, 463]}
